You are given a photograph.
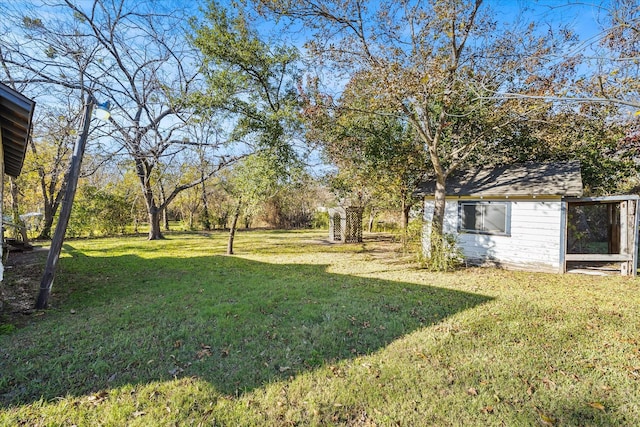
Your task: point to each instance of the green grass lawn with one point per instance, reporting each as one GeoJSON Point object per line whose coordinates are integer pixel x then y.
{"type": "Point", "coordinates": [294, 331]}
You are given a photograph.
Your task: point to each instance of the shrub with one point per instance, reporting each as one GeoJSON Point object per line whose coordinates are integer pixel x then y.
{"type": "Point", "coordinates": [320, 220]}
{"type": "Point", "coordinates": [443, 256]}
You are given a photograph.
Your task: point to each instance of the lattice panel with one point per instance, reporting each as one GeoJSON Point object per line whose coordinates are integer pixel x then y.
{"type": "Point", "coordinates": [353, 232]}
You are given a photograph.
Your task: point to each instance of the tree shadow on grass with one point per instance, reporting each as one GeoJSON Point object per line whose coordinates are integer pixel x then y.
{"type": "Point", "coordinates": [236, 323]}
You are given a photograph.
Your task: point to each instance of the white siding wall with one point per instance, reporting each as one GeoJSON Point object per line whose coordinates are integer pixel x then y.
{"type": "Point", "coordinates": [535, 241]}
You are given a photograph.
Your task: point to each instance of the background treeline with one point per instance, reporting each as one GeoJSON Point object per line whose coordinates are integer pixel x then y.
{"type": "Point", "coordinates": [228, 116]}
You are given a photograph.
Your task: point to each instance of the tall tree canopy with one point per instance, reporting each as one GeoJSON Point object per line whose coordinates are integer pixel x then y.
{"type": "Point", "coordinates": [437, 65]}
{"type": "Point", "coordinates": [378, 152]}
{"type": "Point", "coordinates": [251, 80]}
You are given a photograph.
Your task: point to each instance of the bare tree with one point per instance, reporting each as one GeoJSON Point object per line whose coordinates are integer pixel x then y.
{"type": "Point", "coordinates": [49, 153]}
{"type": "Point", "coordinates": [133, 54]}
{"type": "Point", "coordinates": [607, 59]}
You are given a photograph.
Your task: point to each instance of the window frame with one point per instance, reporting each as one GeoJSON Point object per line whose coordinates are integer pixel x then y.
{"type": "Point", "coordinates": [483, 204]}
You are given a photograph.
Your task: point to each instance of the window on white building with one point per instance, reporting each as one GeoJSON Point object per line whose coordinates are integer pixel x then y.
{"type": "Point", "coordinates": [484, 217]}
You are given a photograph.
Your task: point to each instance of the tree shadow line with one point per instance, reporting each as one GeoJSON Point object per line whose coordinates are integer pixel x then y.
{"type": "Point", "coordinates": [236, 323]}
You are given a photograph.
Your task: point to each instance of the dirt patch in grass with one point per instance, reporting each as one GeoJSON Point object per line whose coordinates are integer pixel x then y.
{"type": "Point", "coordinates": [18, 290]}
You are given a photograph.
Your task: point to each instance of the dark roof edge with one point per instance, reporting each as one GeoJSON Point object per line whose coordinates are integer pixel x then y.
{"type": "Point", "coordinates": [529, 179]}
{"type": "Point", "coordinates": [27, 105]}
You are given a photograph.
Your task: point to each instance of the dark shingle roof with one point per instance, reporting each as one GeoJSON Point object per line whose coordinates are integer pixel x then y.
{"type": "Point", "coordinates": [528, 179]}
{"type": "Point", "coordinates": [16, 112]}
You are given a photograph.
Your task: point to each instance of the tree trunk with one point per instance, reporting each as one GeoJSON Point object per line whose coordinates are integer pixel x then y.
{"type": "Point", "coordinates": [232, 231]}
{"type": "Point", "coordinates": [206, 222]}
{"type": "Point", "coordinates": [406, 208]}
{"type": "Point", "coordinates": [437, 222]}
{"type": "Point", "coordinates": [165, 218]}
{"type": "Point", "coordinates": [45, 232]}
{"type": "Point", "coordinates": [15, 211]}
{"type": "Point", "coordinates": [50, 209]}
{"type": "Point", "coordinates": [50, 202]}
{"type": "Point", "coordinates": [154, 224]}
{"type": "Point", "coordinates": [372, 218]}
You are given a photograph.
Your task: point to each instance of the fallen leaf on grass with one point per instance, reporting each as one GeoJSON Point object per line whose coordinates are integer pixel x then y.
{"type": "Point", "coordinates": [488, 409]}
{"type": "Point", "coordinates": [550, 384]}
{"type": "Point", "coordinates": [597, 405]}
{"type": "Point", "coordinates": [545, 419]}
{"type": "Point", "coordinates": [98, 397]}
{"type": "Point", "coordinates": [472, 391]}
{"type": "Point", "coordinates": [204, 352]}
{"type": "Point", "coordinates": [336, 371]}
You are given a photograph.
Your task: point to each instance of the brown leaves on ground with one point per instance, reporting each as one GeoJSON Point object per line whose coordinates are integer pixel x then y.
{"type": "Point", "coordinates": [205, 351]}
{"type": "Point", "coordinates": [546, 419]}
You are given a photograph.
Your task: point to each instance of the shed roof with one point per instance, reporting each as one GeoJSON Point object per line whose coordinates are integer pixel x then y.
{"type": "Point", "coordinates": [528, 179]}
{"type": "Point", "coordinates": [16, 112]}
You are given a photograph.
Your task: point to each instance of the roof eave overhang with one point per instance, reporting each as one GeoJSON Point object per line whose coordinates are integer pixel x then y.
{"type": "Point", "coordinates": [16, 115]}
{"type": "Point", "coordinates": [505, 196]}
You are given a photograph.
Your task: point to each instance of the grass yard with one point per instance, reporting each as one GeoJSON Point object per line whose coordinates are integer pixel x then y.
{"type": "Point", "coordinates": [294, 331]}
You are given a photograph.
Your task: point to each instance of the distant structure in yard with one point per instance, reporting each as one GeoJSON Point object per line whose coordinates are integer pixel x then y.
{"type": "Point", "coordinates": [533, 217]}
{"type": "Point", "coordinates": [345, 224]}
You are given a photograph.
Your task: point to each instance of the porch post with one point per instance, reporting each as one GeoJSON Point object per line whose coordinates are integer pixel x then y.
{"type": "Point", "coordinates": [564, 211]}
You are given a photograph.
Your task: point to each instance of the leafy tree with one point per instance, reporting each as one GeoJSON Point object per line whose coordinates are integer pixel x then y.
{"type": "Point", "coordinates": [98, 211]}
{"type": "Point", "coordinates": [252, 181]}
{"type": "Point", "coordinates": [609, 76]}
{"type": "Point", "coordinates": [605, 65]}
{"type": "Point", "coordinates": [293, 203]}
{"type": "Point", "coordinates": [189, 202]}
{"type": "Point", "coordinates": [47, 161]}
{"type": "Point", "coordinates": [622, 39]}
{"type": "Point", "coordinates": [437, 65]}
{"type": "Point", "coordinates": [375, 150]}
{"type": "Point", "coordinates": [252, 82]}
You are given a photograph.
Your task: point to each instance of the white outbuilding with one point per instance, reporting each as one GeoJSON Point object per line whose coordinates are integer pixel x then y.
{"type": "Point", "coordinates": [533, 217]}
